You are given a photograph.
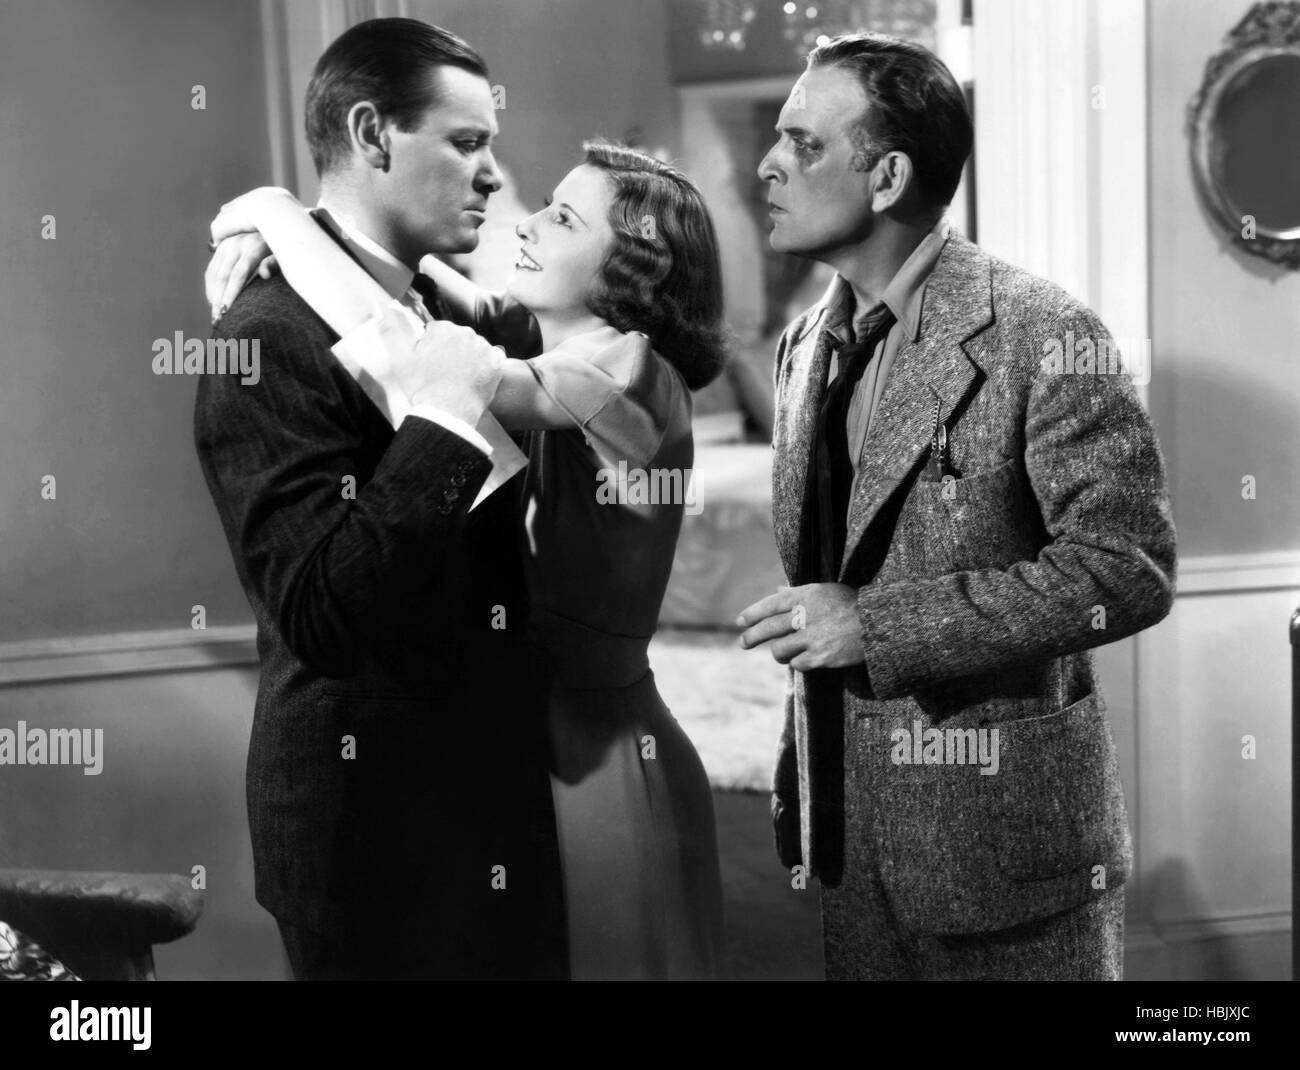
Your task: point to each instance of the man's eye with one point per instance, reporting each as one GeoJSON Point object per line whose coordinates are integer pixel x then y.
{"type": "Point", "coordinates": [467, 146]}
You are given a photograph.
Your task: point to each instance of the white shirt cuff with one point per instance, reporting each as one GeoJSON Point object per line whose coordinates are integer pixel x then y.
{"type": "Point", "coordinates": [363, 352]}
{"type": "Point", "coordinates": [452, 423]}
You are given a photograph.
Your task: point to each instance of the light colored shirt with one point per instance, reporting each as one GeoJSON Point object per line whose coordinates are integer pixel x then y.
{"type": "Point", "coordinates": [367, 347]}
{"type": "Point", "coordinates": [396, 278]}
{"type": "Point", "coordinates": [844, 321]}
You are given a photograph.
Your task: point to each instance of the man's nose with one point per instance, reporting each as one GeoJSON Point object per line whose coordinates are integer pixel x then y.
{"type": "Point", "coordinates": [490, 178]}
{"type": "Point", "coordinates": [767, 169]}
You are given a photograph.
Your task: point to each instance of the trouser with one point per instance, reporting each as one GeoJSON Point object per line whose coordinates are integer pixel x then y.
{"type": "Point", "coordinates": [340, 955]}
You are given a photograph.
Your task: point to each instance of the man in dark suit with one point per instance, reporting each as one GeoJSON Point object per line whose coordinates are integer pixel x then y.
{"type": "Point", "coordinates": [398, 787]}
{"type": "Point", "coordinates": [962, 517]}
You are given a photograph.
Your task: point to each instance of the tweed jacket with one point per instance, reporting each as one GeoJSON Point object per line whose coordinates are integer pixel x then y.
{"type": "Point", "coordinates": [979, 598]}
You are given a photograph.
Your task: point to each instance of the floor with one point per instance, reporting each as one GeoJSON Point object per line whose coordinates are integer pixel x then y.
{"type": "Point", "coordinates": [773, 931]}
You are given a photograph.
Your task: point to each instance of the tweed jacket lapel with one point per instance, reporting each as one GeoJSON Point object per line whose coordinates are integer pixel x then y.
{"type": "Point", "coordinates": [936, 367]}
{"type": "Point", "coordinates": [804, 379]}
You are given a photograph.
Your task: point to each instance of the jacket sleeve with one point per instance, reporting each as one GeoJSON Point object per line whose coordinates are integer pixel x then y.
{"type": "Point", "coordinates": [324, 545]}
{"type": "Point", "coordinates": [1094, 466]}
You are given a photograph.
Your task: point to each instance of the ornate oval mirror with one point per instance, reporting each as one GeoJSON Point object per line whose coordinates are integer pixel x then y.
{"type": "Point", "coordinates": [1245, 133]}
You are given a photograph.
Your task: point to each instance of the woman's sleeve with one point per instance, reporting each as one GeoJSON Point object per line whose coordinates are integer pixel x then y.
{"type": "Point", "coordinates": [620, 394]}
{"type": "Point", "coordinates": [501, 320]}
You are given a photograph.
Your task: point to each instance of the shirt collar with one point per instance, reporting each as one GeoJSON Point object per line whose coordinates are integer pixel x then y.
{"type": "Point", "coordinates": [394, 276]}
{"type": "Point", "coordinates": [904, 295]}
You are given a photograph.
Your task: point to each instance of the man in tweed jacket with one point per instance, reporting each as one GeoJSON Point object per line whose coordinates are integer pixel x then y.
{"type": "Point", "coordinates": [946, 769]}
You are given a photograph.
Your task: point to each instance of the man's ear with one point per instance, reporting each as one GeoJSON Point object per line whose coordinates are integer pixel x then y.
{"type": "Point", "coordinates": [894, 177]}
{"type": "Point", "coordinates": [368, 134]}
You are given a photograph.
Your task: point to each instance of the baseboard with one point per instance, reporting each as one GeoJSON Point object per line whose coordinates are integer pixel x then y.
{"type": "Point", "coordinates": [1245, 947]}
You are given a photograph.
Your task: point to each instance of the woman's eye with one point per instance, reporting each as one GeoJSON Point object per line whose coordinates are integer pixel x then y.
{"type": "Point", "coordinates": [562, 218]}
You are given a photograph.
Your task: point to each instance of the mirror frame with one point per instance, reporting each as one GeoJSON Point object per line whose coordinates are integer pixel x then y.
{"type": "Point", "coordinates": [1267, 30]}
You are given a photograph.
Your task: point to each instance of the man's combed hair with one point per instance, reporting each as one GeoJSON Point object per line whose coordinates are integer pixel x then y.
{"type": "Point", "coordinates": [915, 106]}
{"type": "Point", "coordinates": [662, 276]}
{"type": "Point", "coordinates": [388, 62]}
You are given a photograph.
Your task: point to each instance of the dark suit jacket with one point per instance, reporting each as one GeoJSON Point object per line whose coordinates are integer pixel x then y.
{"type": "Point", "coordinates": [978, 601]}
{"type": "Point", "coordinates": [375, 613]}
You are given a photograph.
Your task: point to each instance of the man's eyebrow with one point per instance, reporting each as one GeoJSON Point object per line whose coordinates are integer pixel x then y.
{"type": "Point", "coordinates": [473, 128]}
{"type": "Point", "coordinates": [792, 130]}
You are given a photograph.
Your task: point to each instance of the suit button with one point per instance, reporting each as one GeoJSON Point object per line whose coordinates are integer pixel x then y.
{"type": "Point", "coordinates": [459, 479]}
{"type": "Point", "coordinates": [450, 494]}
{"type": "Point", "coordinates": [445, 509]}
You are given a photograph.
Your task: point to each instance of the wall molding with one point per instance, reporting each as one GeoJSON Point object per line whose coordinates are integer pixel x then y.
{"type": "Point", "coordinates": [1147, 933]}
{"type": "Point", "coordinates": [82, 657]}
{"type": "Point", "coordinates": [33, 661]}
{"type": "Point", "coordinates": [1274, 570]}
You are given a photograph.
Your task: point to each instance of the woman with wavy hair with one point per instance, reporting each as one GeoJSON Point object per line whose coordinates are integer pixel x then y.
{"type": "Point", "coordinates": [618, 292]}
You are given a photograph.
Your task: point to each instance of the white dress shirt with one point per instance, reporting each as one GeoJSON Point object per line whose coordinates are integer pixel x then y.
{"type": "Point", "coordinates": [364, 353]}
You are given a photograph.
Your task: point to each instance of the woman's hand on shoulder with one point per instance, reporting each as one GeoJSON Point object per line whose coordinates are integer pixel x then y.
{"type": "Point", "coordinates": [234, 262]}
{"type": "Point", "coordinates": [244, 213]}
{"type": "Point", "coordinates": [238, 248]}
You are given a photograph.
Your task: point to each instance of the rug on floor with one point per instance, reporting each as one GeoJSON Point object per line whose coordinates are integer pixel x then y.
{"type": "Point", "coordinates": [728, 701]}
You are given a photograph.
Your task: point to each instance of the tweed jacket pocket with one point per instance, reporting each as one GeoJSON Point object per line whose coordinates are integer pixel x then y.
{"type": "Point", "coordinates": [984, 520]}
{"type": "Point", "coordinates": [972, 850]}
{"type": "Point", "coordinates": [1063, 807]}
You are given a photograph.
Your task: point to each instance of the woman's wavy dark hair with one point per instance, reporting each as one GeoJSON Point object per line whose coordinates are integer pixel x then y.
{"type": "Point", "coordinates": [662, 276]}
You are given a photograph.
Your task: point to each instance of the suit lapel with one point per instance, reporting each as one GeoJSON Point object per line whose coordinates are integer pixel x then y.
{"type": "Point", "coordinates": [958, 304]}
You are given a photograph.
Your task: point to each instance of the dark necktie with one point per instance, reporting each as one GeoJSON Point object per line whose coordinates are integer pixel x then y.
{"type": "Point", "coordinates": [428, 291]}
{"type": "Point", "coordinates": [834, 461]}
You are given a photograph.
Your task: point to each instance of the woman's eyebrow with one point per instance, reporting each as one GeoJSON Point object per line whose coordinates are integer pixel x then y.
{"type": "Point", "coordinates": [565, 204]}
{"type": "Point", "coordinates": [571, 209]}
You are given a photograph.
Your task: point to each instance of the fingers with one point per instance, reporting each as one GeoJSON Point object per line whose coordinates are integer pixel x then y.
{"type": "Point", "coordinates": [242, 270]}
{"type": "Point", "coordinates": [216, 276]}
{"type": "Point", "coordinates": [773, 627]}
{"type": "Point", "coordinates": [451, 340]}
{"type": "Point", "coordinates": [765, 607]}
{"type": "Point", "coordinates": [232, 265]}
{"type": "Point", "coordinates": [788, 650]}
{"type": "Point", "coordinates": [804, 661]}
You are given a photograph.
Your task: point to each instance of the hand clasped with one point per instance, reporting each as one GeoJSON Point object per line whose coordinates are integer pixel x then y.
{"type": "Point", "coordinates": [811, 627]}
